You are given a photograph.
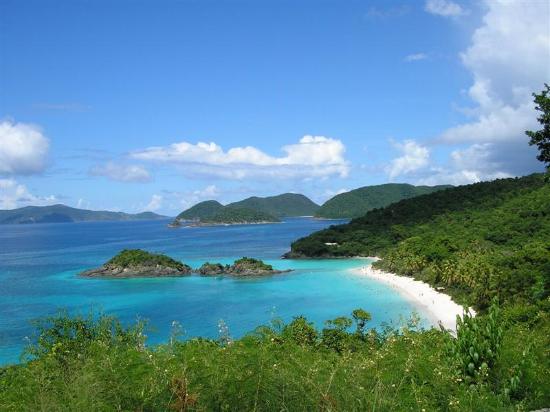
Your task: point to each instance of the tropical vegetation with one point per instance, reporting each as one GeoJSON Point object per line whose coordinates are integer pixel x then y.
{"type": "Point", "coordinates": [478, 241]}
{"type": "Point", "coordinates": [132, 258]}
{"type": "Point", "coordinates": [284, 205]}
{"type": "Point", "coordinates": [359, 201]}
{"type": "Point", "coordinates": [496, 363]}
{"type": "Point", "coordinates": [229, 215]}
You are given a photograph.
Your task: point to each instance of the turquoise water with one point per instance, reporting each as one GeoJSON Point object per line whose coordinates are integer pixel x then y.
{"type": "Point", "coordinates": [39, 264]}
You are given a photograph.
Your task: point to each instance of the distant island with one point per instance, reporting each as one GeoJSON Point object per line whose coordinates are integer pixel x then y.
{"type": "Point", "coordinates": [133, 263]}
{"type": "Point", "coordinates": [248, 211]}
{"type": "Point", "coordinates": [348, 205]}
{"type": "Point", "coordinates": [64, 214]}
{"type": "Point", "coordinates": [357, 202]}
{"type": "Point", "coordinates": [138, 263]}
{"type": "Point", "coordinates": [284, 205]}
{"type": "Point", "coordinates": [206, 214]}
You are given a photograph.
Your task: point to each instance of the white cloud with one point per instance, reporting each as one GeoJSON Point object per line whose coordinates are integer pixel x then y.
{"type": "Point", "coordinates": [154, 204]}
{"type": "Point", "coordinates": [445, 8]}
{"type": "Point", "coordinates": [416, 57]}
{"type": "Point", "coordinates": [122, 173]}
{"type": "Point", "coordinates": [14, 195]}
{"type": "Point", "coordinates": [414, 157]}
{"type": "Point", "coordinates": [459, 177]}
{"type": "Point", "coordinates": [23, 148]}
{"type": "Point", "coordinates": [312, 156]}
{"type": "Point", "coordinates": [509, 59]}
{"type": "Point", "coordinates": [83, 204]}
{"type": "Point", "coordinates": [329, 193]}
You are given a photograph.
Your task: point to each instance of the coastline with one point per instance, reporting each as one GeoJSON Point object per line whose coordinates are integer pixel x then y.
{"type": "Point", "coordinates": [439, 307]}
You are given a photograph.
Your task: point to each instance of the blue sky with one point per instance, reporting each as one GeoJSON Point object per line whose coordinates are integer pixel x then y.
{"type": "Point", "coordinates": [103, 104]}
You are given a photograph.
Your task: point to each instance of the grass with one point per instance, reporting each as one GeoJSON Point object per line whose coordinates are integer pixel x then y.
{"type": "Point", "coordinates": [94, 363]}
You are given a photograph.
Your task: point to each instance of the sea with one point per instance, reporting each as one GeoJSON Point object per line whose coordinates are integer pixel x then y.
{"type": "Point", "coordinates": [40, 263]}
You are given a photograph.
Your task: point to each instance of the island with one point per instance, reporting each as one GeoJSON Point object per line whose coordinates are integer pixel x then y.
{"type": "Point", "coordinates": [212, 213]}
{"type": "Point", "coordinates": [242, 267]}
{"type": "Point", "coordinates": [65, 214]}
{"type": "Point", "coordinates": [137, 263]}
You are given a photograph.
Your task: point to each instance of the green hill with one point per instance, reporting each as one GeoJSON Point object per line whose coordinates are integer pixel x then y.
{"type": "Point", "coordinates": [251, 210]}
{"type": "Point", "coordinates": [202, 210]}
{"type": "Point", "coordinates": [287, 204]}
{"type": "Point", "coordinates": [233, 215]}
{"type": "Point", "coordinates": [62, 213]}
{"type": "Point", "coordinates": [479, 241]}
{"type": "Point", "coordinates": [357, 202]}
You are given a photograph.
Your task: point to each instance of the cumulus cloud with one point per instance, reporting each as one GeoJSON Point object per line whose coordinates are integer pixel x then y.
{"type": "Point", "coordinates": [413, 157]}
{"type": "Point", "coordinates": [180, 200]}
{"type": "Point", "coordinates": [416, 57]}
{"type": "Point", "coordinates": [154, 204]}
{"type": "Point", "coordinates": [23, 149]}
{"type": "Point", "coordinates": [14, 195]}
{"type": "Point", "coordinates": [312, 156]}
{"type": "Point", "coordinates": [445, 8]}
{"type": "Point", "coordinates": [122, 173]}
{"type": "Point", "coordinates": [474, 163]}
{"type": "Point", "coordinates": [508, 59]}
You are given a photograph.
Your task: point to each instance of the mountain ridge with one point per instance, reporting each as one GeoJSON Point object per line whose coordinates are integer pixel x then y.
{"type": "Point", "coordinates": [357, 202]}
{"type": "Point", "coordinates": [60, 213]}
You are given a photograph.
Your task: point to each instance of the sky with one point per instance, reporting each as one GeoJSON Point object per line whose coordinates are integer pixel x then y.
{"type": "Point", "coordinates": [157, 105]}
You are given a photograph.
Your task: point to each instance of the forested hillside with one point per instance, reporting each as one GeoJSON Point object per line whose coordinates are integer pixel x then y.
{"type": "Point", "coordinates": [65, 214]}
{"type": "Point", "coordinates": [285, 205]}
{"type": "Point", "coordinates": [480, 241]}
{"type": "Point", "coordinates": [359, 201]}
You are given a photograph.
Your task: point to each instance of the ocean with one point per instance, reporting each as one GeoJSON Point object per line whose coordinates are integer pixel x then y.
{"type": "Point", "coordinates": [39, 265]}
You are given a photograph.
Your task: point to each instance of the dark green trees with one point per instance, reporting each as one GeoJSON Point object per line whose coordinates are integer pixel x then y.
{"type": "Point", "coordinates": [541, 138]}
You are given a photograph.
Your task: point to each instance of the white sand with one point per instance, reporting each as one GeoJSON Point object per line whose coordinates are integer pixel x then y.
{"type": "Point", "coordinates": [440, 308]}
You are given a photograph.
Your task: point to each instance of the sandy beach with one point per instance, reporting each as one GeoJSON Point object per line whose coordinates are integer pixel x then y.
{"type": "Point", "coordinates": [439, 307]}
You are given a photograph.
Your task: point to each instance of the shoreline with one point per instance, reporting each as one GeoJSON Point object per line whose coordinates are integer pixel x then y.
{"type": "Point", "coordinates": [438, 306]}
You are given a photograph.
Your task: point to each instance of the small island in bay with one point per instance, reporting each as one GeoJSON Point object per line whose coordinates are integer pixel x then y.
{"type": "Point", "coordinates": [242, 267]}
{"type": "Point", "coordinates": [137, 263]}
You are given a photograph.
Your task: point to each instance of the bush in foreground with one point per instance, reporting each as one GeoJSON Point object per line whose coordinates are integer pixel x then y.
{"type": "Point", "coordinates": [96, 364]}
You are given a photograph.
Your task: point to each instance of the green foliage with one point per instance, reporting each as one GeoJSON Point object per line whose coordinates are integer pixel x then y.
{"type": "Point", "coordinates": [211, 269]}
{"type": "Point", "coordinates": [85, 364]}
{"type": "Point", "coordinates": [361, 317]}
{"type": "Point", "coordinates": [287, 204]}
{"type": "Point", "coordinates": [128, 258]}
{"type": "Point", "coordinates": [239, 215]}
{"type": "Point", "coordinates": [65, 337]}
{"type": "Point", "coordinates": [357, 202]}
{"type": "Point", "coordinates": [477, 344]}
{"type": "Point", "coordinates": [541, 138]}
{"type": "Point", "coordinates": [250, 264]}
{"type": "Point", "coordinates": [478, 241]}
{"type": "Point", "coordinates": [253, 209]}
{"type": "Point", "coordinates": [335, 335]}
{"type": "Point", "coordinates": [202, 210]}
{"type": "Point", "coordinates": [301, 332]}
